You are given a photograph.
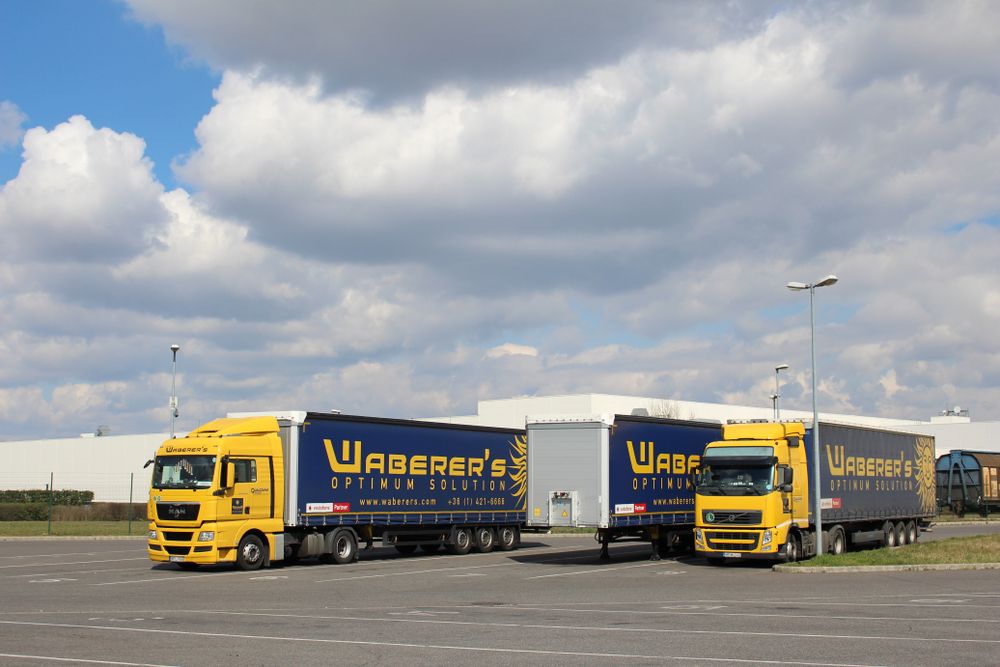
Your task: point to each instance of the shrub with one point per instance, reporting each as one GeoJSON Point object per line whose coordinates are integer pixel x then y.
{"type": "Point", "coordinates": [100, 512]}
{"type": "Point", "coordinates": [24, 511]}
{"type": "Point", "coordinates": [58, 497]}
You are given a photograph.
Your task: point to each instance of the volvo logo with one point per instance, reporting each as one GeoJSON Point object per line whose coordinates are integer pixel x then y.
{"type": "Point", "coordinates": [710, 517]}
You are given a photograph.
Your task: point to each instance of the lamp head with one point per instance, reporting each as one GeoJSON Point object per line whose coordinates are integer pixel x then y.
{"type": "Point", "coordinates": [174, 348]}
{"type": "Point", "coordinates": [780, 367]}
{"type": "Point", "coordinates": [797, 286]}
{"type": "Point", "coordinates": [829, 280]}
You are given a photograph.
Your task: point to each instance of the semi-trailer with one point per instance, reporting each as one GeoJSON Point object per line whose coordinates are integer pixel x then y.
{"type": "Point", "coordinates": [627, 477]}
{"type": "Point", "coordinates": [968, 480]}
{"type": "Point", "coordinates": [754, 490]}
{"type": "Point", "coordinates": [254, 489]}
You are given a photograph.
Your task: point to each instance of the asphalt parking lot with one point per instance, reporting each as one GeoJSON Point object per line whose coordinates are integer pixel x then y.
{"type": "Point", "coordinates": [551, 602]}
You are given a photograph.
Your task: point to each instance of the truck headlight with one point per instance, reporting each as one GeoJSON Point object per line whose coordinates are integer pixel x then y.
{"type": "Point", "coordinates": [206, 536]}
{"type": "Point", "coordinates": [152, 534]}
{"type": "Point", "coordinates": [765, 538]}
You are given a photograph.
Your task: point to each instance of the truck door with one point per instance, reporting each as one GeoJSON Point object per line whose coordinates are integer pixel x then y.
{"type": "Point", "coordinates": [253, 490]}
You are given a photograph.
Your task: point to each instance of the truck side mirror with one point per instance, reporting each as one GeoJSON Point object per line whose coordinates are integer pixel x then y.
{"type": "Point", "coordinates": [693, 476]}
{"type": "Point", "coordinates": [148, 463]}
{"type": "Point", "coordinates": [228, 479]}
{"type": "Point", "coordinates": [785, 478]}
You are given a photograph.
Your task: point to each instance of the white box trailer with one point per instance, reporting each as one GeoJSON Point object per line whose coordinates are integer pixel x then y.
{"type": "Point", "coordinates": [625, 476]}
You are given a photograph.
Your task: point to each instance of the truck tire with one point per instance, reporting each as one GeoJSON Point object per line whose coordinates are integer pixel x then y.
{"type": "Point", "coordinates": [250, 553]}
{"type": "Point", "coordinates": [507, 538]}
{"type": "Point", "coordinates": [462, 543]}
{"type": "Point", "coordinates": [485, 539]}
{"type": "Point", "coordinates": [912, 532]}
{"type": "Point", "coordinates": [792, 548]}
{"type": "Point", "coordinates": [903, 537]}
{"type": "Point", "coordinates": [838, 541]}
{"type": "Point", "coordinates": [345, 547]}
{"type": "Point", "coordinates": [890, 538]}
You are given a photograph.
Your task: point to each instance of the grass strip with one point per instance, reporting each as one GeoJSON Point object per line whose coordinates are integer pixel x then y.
{"type": "Point", "coordinates": [976, 549]}
{"type": "Point", "coordinates": [71, 528]}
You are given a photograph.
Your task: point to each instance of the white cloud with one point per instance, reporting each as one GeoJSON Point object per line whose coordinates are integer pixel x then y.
{"type": "Point", "coordinates": [629, 216]}
{"type": "Point", "coordinates": [11, 121]}
{"type": "Point", "coordinates": [82, 194]}
{"type": "Point", "coordinates": [511, 349]}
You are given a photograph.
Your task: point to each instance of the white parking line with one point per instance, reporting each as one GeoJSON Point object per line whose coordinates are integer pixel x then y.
{"type": "Point", "coordinates": [602, 570]}
{"type": "Point", "coordinates": [50, 658]}
{"type": "Point", "coordinates": [445, 647]}
{"type": "Point", "coordinates": [79, 562]}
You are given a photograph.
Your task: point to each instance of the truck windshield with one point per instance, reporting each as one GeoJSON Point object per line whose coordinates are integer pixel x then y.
{"type": "Point", "coordinates": [745, 470]}
{"type": "Point", "coordinates": [719, 478]}
{"type": "Point", "coordinates": [183, 472]}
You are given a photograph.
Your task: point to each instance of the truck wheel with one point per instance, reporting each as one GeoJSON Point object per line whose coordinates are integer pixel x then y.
{"type": "Point", "coordinates": [890, 538]}
{"type": "Point", "coordinates": [903, 537]}
{"type": "Point", "coordinates": [250, 553]}
{"type": "Point", "coordinates": [345, 547]}
{"type": "Point", "coordinates": [912, 532]}
{"type": "Point", "coordinates": [507, 538]}
{"type": "Point", "coordinates": [463, 542]}
{"type": "Point", "coordinates": [838, 541]}
{"type": "Point", "coordinates": [485, 539]}
{"type": "Point", "coordinates": [792, 550]}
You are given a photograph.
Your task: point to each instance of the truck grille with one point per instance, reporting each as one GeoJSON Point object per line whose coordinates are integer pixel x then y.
{"type": "Point", "coordinates": [177, 511]}
{"type": "Point", "coordinates": [731, 540]}
{"type": "Point", "coordinates": [172, 536]}
{"type": "Point", "coordinates": [177, 551]}
{"type": "Point", "coordinates": [732, 517]}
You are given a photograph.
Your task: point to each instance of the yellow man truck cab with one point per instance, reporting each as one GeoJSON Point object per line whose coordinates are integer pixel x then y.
{"type": "Point", "coordinates": [754, 495]}
{"type": "Point", "coordinates": [254, 489]}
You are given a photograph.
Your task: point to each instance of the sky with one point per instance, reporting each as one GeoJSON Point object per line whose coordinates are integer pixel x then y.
{"type": "Point", "coordinates": [398, 209]}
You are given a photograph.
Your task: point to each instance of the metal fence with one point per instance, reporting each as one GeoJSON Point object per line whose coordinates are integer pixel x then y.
{"type": "Point", "coordinates": [128, 487]}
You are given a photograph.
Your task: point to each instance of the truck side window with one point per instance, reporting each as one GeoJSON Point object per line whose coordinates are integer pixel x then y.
{"type": "Point", "coordinates": [246, 470]}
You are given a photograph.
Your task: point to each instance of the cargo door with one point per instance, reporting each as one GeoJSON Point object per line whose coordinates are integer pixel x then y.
{"type": "Point", "coordinates": [253, 491]}
{"type": "Point", "coordinates": [566, 486]}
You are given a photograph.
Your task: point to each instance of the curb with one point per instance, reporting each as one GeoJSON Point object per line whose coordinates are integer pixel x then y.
{"type": "Point", "coordinates": [788, 569]}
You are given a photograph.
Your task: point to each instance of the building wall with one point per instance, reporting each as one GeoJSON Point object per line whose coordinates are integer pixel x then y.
{"type": "Point", "coordinates": [110, 466]}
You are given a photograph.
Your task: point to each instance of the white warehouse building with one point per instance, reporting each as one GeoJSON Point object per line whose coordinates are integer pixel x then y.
{"type": "Point", "coordinates": [112, 466]}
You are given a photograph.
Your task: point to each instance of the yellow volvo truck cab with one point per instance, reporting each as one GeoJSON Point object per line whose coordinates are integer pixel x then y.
{"type": "Point", "coordinates": [216, 495]}
{"type": "Point", "coordinates": [752, 493]}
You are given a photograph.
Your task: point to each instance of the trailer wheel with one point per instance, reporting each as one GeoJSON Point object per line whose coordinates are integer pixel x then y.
{"type": "Point", "coordinates": [507, 538]}
{"type": "Point", "coordinates": [250, 553]}
{"type": "Point", "coordinates": [462, 543]}
{"type": "Point", "coordinates": [912, 532]}
{"type": "Point", "coordinates": [345, 547]}
{"type": "Point", "coordinates": [838, 541]}
{"type": "Point", "coordinates": [901, 532]}
{"type": "Point", "coordinates": [485, 539]}
{"type": "Point", "coordinates": [406, 549]}
{"type": "Point", "coordinates": [890, 538]}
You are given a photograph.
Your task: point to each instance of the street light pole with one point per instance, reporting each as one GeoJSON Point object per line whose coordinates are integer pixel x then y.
{"type": "Point", "coordinates": [173, 390]}
{"type": "Point", "coordinates": [817, 504]}
{"type": "Point", "coordinates": [777, 391]}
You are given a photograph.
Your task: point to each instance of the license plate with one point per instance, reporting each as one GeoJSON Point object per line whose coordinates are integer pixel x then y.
{"type": "Point", "coordinates": [730, 554]}
{"type": "Point", "coordinates": [176, 559]}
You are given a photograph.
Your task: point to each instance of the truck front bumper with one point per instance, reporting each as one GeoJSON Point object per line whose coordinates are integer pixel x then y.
{"type": "Point", "coordinates": [169, 544]}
